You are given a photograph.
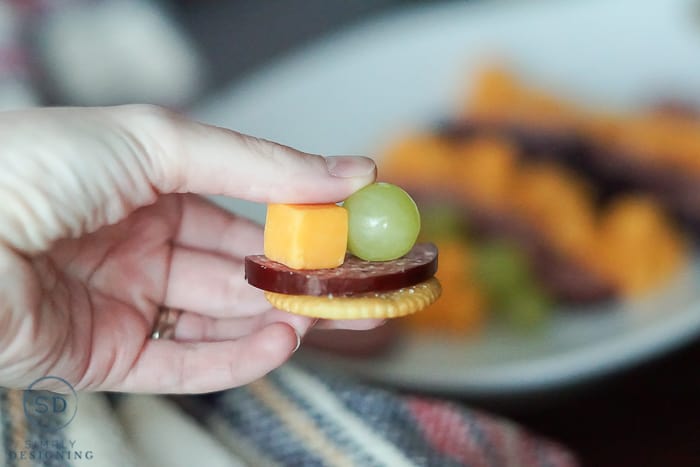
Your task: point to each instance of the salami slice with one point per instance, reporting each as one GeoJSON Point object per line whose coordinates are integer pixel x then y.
{"type": "Point", "coordinates": [354, 276]}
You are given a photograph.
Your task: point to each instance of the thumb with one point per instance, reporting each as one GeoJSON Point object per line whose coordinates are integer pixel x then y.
{"type": "Point", "coordinates": [199, 158]}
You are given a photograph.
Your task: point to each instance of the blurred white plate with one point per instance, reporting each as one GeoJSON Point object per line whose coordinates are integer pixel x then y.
{"type": "Point", "coordinates": [352, 92]}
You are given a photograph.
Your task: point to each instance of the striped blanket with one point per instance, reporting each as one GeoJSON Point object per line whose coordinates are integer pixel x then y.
{"type": "Point", "coordinates": [292, 417]}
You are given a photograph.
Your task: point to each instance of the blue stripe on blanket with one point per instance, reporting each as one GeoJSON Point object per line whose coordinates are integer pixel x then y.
{"type": "Point", "coordinates": [336, 434]}
{"type": "Point", "coordinates": [50, 449]}
{"type": "Point", "coordinates": [384, 413]}
{"type": "Point", "coordinates": [6, 430]}
{"type": "Point", "coordinates": [39, 446]}
{"type": "Point", "coordinates": [252, 419]}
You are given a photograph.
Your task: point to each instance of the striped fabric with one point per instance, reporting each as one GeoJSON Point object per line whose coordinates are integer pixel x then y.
{"type": "Point", "coordinates": [25, 443]}
{"type": "Point", "coordinates": [292, 417]}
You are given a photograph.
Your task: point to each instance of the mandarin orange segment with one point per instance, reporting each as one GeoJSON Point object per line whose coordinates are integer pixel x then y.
{"type": "Point", "coordinates": [660, 138]}
{"type": "Point", "coordinates": [418, 158]}
{"type": "Point", "coordinates": [555, 201]}
{"type": "Point", "coordinates": [462, 306]}
{"type": "Point", "coordinates": [485, 168]}
{"type": "Point", "coordinates": [498, 94]}
{"type": "Point", "coordinates": [639, 247]}
{"type": "Point", "coordinates": [493, 93]}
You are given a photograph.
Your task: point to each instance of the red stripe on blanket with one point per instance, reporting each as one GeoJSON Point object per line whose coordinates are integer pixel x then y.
{"type": "Point", "coordinates": [13, 60]}
{"type": "Point", "coordinates": [498, 442]}
{"type": "Point", "coordinates": [515, 445]}
{"type": "Point", "coordinates": [444, 428]}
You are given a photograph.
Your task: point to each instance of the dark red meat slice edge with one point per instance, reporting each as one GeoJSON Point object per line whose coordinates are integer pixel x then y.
{"type": "Point", "coordinates": [354, 276]}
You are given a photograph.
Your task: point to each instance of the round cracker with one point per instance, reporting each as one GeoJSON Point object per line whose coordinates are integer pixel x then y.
{"type": "Point", "coordinates": [391, 304]}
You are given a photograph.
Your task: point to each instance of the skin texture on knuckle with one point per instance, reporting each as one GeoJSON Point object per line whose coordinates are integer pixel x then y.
{"type": "Point", "coordinates": [157, 132]}
{"type": "Point", "coordinates": [30, 221]}
{"type": "Point", "coordinates": [78, 175]}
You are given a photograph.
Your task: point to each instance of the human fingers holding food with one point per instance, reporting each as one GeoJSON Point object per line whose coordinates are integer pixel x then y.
{"type": "Point", "coordinates": [102, 243]}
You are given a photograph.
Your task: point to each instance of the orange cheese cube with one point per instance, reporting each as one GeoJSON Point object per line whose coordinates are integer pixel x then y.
{"type": "Point", "coordinates": [306, 236]}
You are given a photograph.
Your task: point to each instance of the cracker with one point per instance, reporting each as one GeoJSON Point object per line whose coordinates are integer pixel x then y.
{"type": "Point", "coordinates": [391, 304]}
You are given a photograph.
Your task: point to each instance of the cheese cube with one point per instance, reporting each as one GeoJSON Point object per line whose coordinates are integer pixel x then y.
{"type": "Point", "coordinates": [306, 236]}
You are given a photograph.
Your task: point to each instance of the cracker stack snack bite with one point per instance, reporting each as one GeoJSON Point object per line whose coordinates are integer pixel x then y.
{"type": "Point", "coordinates": [306, 269]}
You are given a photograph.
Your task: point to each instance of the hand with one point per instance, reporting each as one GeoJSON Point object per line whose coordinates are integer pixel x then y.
{"type": "Point", "coordinates": [99, 227]}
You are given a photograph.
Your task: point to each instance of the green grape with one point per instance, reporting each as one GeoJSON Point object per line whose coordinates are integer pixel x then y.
{"type": "Point", "coordinates": [504, 272]}
{"type": "Point", "coordinates": [383, 222]}
{"type": "Point", "coordinates": [441, 221]}
{"type": "Point", "coordinates": [500, 268]}
{"type": "Point", "coordinates": [526, 307]}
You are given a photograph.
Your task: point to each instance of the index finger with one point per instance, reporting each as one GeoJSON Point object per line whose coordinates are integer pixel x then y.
{"type": "Point", "coordinates": [187, 156]}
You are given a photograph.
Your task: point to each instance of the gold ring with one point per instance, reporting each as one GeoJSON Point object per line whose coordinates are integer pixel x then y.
{"type": "Point", "coordinates": [165, 323]}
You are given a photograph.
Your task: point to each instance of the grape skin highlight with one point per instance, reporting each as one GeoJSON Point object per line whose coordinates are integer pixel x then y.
{"type": "Point", "coordinates": [384, 222]}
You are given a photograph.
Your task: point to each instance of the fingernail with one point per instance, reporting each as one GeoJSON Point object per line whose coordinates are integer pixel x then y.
{"type": "Point", "coordinates": [298, 342]}
{"type": "Point", "coordinates": [350, 166]}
